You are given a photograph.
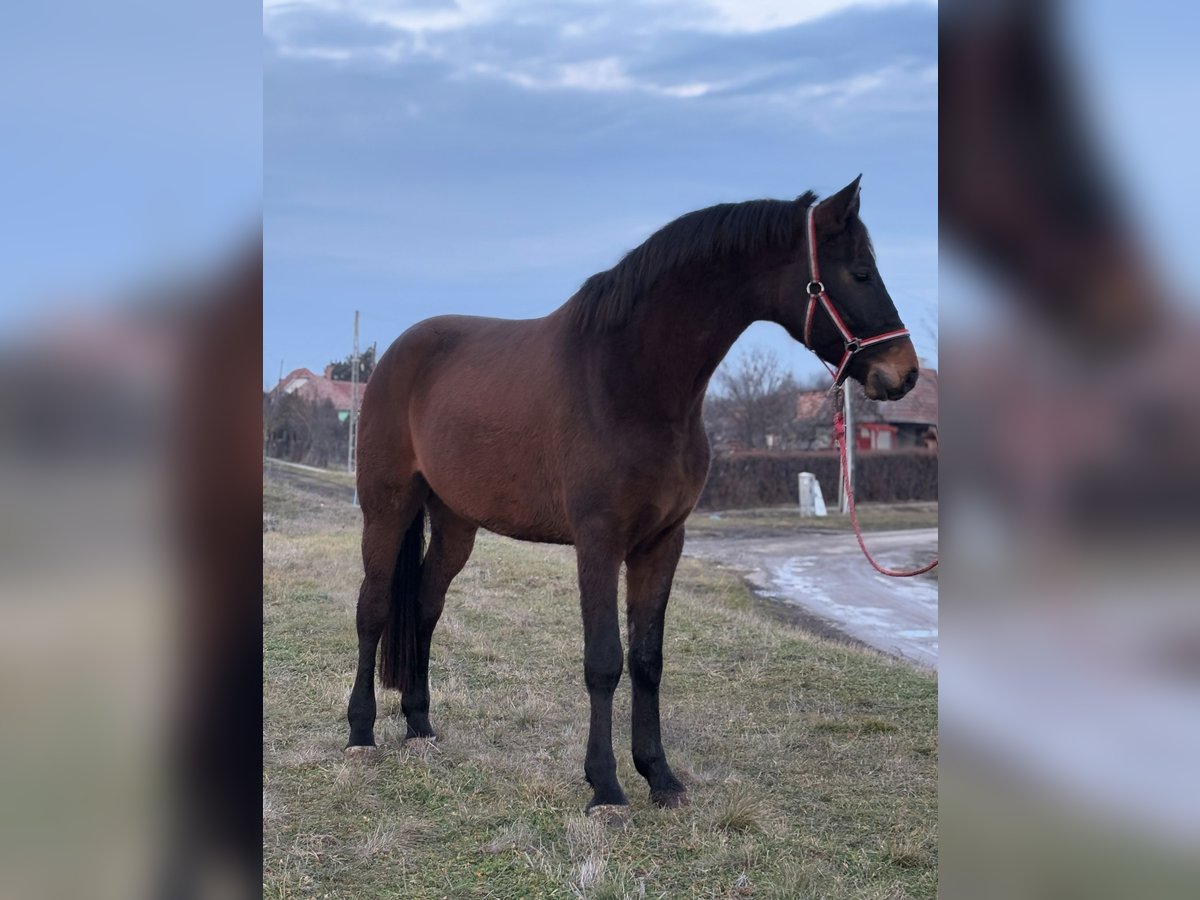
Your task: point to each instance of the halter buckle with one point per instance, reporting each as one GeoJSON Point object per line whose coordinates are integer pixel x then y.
{"type": "Point", "coordinates": [815, 288]}
{"type": "Point", "coordinates": [853, 345]}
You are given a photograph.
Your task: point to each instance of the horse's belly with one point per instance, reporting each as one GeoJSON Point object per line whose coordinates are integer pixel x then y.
{"type": "Point", "coordinates": [516, 515]}
{"type": "Point", "coordinates": [508, 493]}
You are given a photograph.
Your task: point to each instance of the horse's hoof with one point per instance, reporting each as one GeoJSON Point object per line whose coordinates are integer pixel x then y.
{"type": "Point", "coordinates": [361, 753]}
{"type": "Point", "coordinates": [669, 799]}
{"type": "Point", "coordinates": [609, 814]}
{"type": "Point", "coordinates": [427, 733]}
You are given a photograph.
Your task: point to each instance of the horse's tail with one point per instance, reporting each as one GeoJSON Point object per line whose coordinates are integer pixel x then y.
{"type": "Point", "coordinates": [398, 666]}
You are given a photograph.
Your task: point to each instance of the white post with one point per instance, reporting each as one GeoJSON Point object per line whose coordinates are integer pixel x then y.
{"type": "Point", "coordinates": [806, 493]}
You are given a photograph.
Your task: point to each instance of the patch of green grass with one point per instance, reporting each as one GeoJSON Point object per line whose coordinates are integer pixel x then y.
{"type": "Point", "coordinates": [812, 766]}
{"type": "Point", "coordinates": [779, 520]}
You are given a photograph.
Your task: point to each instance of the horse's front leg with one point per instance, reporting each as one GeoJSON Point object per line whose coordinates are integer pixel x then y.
{"type": "Point", "coordinates": [599, 569]}
{"type": "Point", "coordinates": [648, 577]}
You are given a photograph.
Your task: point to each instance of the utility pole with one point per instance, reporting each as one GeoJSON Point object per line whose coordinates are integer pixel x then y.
{"type": "Point", "coordinates": [848, 476]}
{"type": "Point", "coordinates": [351, 444]}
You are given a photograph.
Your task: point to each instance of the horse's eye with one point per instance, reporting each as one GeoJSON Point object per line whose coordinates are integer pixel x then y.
{"type": "Point", "coordinates": [862, 275]}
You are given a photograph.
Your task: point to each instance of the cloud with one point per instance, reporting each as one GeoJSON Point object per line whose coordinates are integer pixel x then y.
{"type": "Point", "coordinates": [908, 87]}
{"type": "Point", "coordinates": [400, 15]}
{"type": "Point", "coordinates": [768, 15]}
{"type": "Point", "coordinates": [607, 75]}
{"type": "Point", "coordinates": [820, 53]}
{"type": "Point", "coordinates": [432, 16]}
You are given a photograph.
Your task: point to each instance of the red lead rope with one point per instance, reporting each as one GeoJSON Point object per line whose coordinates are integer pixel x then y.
{"type": "Point", "coordinates": [839, 435]}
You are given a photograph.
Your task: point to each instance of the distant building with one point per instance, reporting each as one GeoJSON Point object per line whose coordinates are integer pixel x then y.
{"type": "Point", "coordinates": [908, 422]}
{"type": "Point", "coordinates": [320, 387]}
{"type": "Point", "coordinates": [915, 415]}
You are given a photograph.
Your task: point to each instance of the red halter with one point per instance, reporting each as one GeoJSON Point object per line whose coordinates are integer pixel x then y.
{"type": "Point", "coordinates": [816, 292]}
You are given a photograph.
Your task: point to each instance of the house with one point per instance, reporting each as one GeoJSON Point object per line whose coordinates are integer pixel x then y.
{"type": "Point", "coordinates": [915, 415]}
{"type": "Point", "coordinates": [320, 387]}
{"type": "Point", "coordinates": [910, 422]}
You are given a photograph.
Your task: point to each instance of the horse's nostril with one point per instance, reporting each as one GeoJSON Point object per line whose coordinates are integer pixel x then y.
{"type": "Point", "coordinates": [910, 380]}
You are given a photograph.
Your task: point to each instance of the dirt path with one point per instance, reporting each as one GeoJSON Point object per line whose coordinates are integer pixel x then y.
{"type": "Point", "coordinates": [827, 577]}
{"type": "Point", "coordinates": [334, 486]}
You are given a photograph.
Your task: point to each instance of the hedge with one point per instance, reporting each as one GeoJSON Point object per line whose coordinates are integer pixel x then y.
{"type": "Point", "coordinates": [760, 478]}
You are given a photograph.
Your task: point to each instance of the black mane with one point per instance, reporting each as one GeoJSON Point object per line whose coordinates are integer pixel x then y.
{"type": "Point", "coordinates": [607, 299]}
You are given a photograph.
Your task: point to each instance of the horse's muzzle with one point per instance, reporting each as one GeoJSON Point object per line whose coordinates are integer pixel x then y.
{"type": "Point", "coordinates": [893, 373]}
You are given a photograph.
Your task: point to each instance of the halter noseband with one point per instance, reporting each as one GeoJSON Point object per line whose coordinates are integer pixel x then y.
{"type": "Point", "coordinates": [816, 292]}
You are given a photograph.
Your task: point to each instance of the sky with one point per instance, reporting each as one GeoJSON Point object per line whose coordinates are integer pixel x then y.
{"type": "Point", "coordinates": [485, 157]}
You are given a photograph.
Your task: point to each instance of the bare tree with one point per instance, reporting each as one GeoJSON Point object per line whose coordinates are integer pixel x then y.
{"type": "Point", "coordinates": [300, 430]}
{"type": "Point", "coordinates": [754, 405]}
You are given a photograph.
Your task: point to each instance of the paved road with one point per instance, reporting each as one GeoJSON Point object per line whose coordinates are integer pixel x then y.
{"type": "Point", "coordinates": [827, 576]}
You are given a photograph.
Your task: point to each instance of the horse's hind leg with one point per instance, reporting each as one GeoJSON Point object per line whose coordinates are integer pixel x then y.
{"type": "Point", "coordinates": [388, 515]}
{"type": "Point", "coordinates": [649, 575]}
{"type": "Point", "coordinates": [451, 541]}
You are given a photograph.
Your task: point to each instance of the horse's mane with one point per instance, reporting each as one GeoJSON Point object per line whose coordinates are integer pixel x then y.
{"type": "Point", "coordinates": [607, 300]}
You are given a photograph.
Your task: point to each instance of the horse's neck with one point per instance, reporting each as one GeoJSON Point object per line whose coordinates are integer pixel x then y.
{"type": "Point", "coordinates": [676, 343]}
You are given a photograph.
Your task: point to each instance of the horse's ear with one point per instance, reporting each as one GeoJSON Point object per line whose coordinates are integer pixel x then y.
{"type": "Point", "coordinates": [836, 211]}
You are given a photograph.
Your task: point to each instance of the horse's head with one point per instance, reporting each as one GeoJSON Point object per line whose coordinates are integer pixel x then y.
{"type": "Point", "coordinates": [854, 294]}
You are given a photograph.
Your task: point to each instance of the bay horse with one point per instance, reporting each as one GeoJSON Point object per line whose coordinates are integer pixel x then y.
{"type": "Point", "coordinates": [584, 427]}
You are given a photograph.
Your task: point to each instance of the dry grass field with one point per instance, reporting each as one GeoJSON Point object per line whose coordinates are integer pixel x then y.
{"type": "Point", "coordinates": [812, 765]}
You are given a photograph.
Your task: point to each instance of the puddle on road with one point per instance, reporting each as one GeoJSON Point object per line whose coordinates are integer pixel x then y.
{"type": "Point", "coordinates": [838, 597]}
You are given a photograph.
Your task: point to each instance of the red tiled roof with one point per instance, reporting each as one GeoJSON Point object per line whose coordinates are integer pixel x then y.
{"type": "Point", "coordinates": [919, 406]}
{"type": "Point", "coordinates": [814, 405]}
{"type": "Point", "coordinates": [318, 388]}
